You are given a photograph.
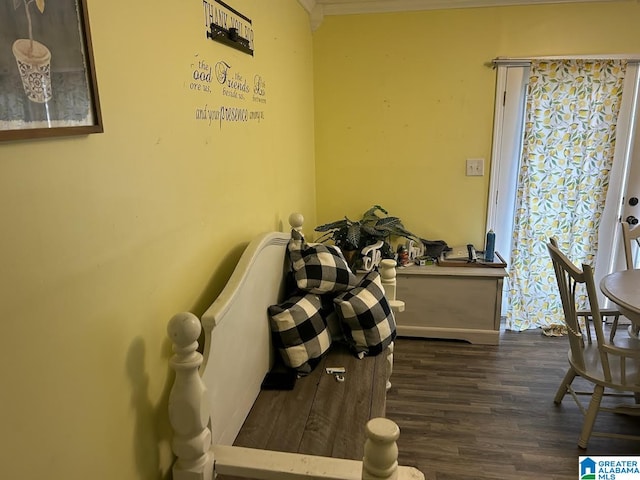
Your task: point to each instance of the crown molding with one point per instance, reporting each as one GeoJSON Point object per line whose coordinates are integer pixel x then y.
{"type": "Point", "coordinates": [307, 4]}
{"type": "Point", "coordinates": [315, 11]}
{"type": "Point", "coordinates": [318, 9]}
{"type": "Point", "coordinates": [342, 7]}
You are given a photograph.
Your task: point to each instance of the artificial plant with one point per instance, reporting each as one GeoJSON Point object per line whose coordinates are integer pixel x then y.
{"type": "Point", "coordinates": [375, 225]}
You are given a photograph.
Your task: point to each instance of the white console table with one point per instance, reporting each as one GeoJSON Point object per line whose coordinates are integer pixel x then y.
{"type": "Point", "coordinates": [450, 302]}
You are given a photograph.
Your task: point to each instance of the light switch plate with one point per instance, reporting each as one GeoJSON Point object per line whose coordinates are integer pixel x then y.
{"type": "Point", "coordinates": [475, 167]}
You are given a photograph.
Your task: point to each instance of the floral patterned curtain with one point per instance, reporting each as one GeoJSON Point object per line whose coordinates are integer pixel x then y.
{"type": "Point", "coordinates": [568, 147]}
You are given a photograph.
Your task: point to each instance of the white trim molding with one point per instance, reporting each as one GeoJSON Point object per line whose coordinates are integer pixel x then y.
{"type": "Point", "coordinates": [315, 11]}
{"type": "Point", "coordinates": [318, 9]}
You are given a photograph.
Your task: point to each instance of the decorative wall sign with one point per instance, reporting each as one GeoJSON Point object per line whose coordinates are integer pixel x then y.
{"type": "Point", "coordinates": [47, 79]}
{"type": "Point", "coordinates": [241, 97]}
{"type": "Point", "coordinates": [226, 25]}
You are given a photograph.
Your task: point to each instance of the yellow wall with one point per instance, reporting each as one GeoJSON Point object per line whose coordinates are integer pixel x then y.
{"type": "Point", "coordinates": [105, 237]}
{"type": "Point", "coordinates": [402, 100]}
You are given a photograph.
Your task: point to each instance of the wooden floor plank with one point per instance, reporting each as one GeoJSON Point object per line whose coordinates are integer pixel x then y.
{"type": "Point", "coordinates": [486, 412]}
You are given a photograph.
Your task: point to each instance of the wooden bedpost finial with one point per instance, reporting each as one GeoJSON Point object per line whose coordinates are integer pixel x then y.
{"type": "Point", "coordinates": [184, 329]}
{"type": "Point", "coordinates": [380, 460]}
{"type": "Point", "coordinates": [296, 220]}
{"type": "Point", "coordinates": [188, 413]}
{"type": "Point", "coordinates": [388, 277]}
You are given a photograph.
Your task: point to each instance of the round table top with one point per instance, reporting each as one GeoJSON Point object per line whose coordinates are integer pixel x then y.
{"type": "Point", "coordinates": [623, 288]}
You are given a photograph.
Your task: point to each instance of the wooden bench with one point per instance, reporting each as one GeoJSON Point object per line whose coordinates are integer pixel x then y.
{"type": "Point", "coordinates": [321, 415]}
{"type": "Point", "coordinates": [323, 428]}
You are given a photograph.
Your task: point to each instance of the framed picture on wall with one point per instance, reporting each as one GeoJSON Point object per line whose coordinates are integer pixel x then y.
{"type": "Point", "coordinates": [48, 85]}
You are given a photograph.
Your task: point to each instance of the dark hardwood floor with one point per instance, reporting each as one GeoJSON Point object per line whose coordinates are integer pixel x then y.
{"type": "Point", "coordinates": [486, 412]}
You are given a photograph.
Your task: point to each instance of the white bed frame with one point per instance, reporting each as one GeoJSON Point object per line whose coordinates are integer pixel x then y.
{"type": "Point", "coordinates": [214, 392]}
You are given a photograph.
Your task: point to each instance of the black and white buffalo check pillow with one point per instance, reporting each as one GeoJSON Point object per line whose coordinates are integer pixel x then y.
{"type": "Point", "coordinates": [299, 331]}
{"type": "Point", "coordinates": [319, 268]}
{"type": "Point", "coordinates": [367, 319]}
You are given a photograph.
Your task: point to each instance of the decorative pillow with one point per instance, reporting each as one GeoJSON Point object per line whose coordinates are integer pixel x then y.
{"type": "Point", "coordinates": [299, 331]}
{"type": "Point", "coordinates": [367, 319]}
{"type": "Point", "coordinates": [334, 324]}
{"type": "Point", "coordinates": [319, 268]}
